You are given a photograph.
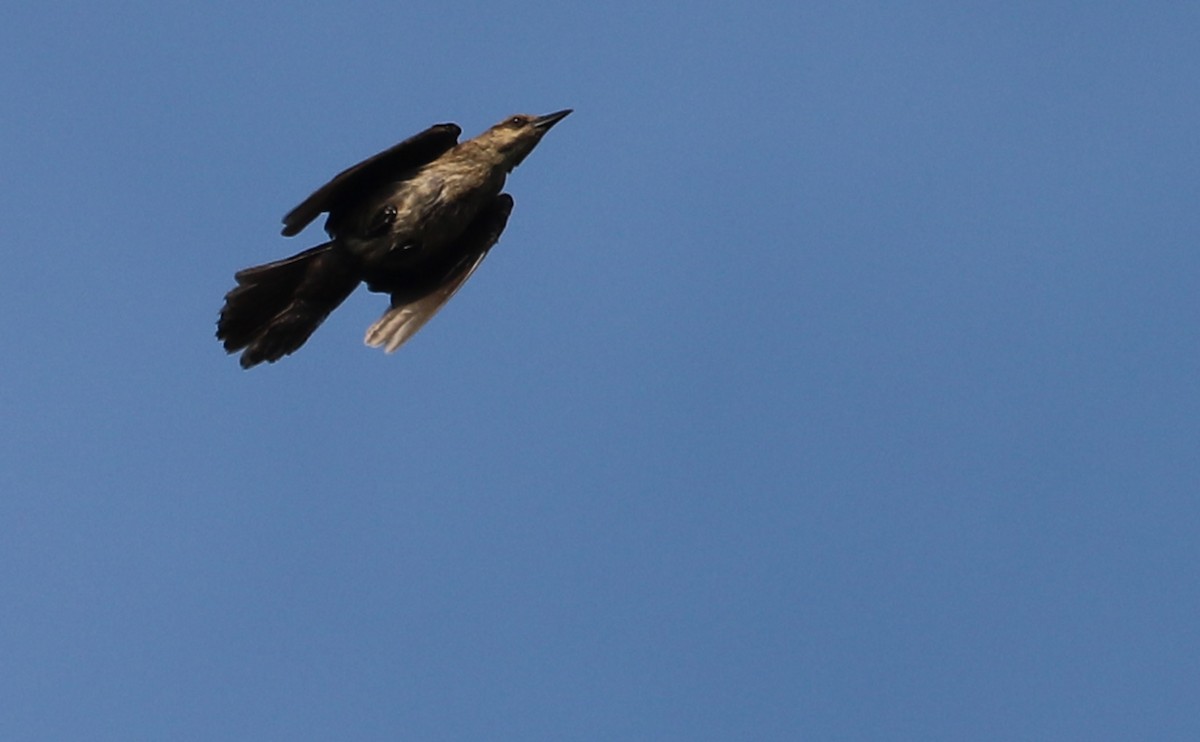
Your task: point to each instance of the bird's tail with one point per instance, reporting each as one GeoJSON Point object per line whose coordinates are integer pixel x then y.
{"type": "Point", "coordinates": [276, 307]}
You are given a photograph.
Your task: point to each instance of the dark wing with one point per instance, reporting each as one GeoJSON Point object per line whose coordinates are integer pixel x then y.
{"type": "Point", "coordinates": [358, 181]}
{"type": "Point", "coordinates": [412, 307]}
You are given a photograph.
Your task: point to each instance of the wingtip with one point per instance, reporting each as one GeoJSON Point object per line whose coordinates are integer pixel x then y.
{"type": "Point", "coordinates": [388, 332]}
{"type": "Point", "coordinates": [294, 223]}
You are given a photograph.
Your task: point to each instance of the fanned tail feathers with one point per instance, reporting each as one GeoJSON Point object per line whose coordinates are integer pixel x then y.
{"type": "Point", "coordinates": [276, 307]}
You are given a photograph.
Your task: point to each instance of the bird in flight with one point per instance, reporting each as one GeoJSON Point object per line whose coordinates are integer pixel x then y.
{"type": "Point", "coordinates": [414, 221]}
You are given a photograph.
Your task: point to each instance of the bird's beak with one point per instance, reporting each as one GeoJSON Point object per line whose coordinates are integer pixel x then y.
{"type": "Point", "coordinates": [545, 122]}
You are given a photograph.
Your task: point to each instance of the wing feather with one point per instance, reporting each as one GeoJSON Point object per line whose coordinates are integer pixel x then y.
{"type": "Point", "coordinates": [357, 181]}
{"type": "Point", "coordinates": [399, 323]}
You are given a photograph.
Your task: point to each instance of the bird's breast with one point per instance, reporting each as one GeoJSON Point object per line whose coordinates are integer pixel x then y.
{"type": "Point", "coordinates": [437, 206]}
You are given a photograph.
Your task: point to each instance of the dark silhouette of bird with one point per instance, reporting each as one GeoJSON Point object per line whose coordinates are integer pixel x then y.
{"type": "Point", "coordinates": [414, 221]}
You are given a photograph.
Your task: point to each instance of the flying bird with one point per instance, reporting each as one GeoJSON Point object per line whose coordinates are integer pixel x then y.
{"type": "Point", "coordinates": [414, 221]}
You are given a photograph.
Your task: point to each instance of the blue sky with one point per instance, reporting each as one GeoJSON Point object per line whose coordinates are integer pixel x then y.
{"type": "Point", "coordinates": [836, 378]}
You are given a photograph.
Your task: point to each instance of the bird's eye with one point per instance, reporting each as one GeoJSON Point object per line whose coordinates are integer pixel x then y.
{"type": "Point", "coordinates": [516, 121]}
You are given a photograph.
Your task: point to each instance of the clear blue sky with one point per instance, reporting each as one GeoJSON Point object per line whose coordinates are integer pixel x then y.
{"type": "Point", "coordinates": [836, 378]}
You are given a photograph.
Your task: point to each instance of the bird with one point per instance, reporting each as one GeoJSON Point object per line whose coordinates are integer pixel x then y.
{"type": "Point", "coordinates": [414, 221]}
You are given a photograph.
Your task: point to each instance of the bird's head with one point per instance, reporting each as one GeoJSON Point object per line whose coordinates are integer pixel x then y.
{"type": "Point", "coordinates": [516, 136]}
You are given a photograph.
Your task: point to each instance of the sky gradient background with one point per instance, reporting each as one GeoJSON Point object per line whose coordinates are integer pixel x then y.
{"type": "Point", "coordinates": [836, 378]}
